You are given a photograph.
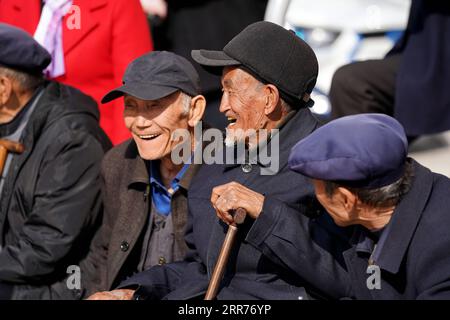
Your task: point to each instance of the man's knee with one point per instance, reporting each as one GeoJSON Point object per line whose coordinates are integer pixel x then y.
{"type": "Point", "coordinates": [352, 89]}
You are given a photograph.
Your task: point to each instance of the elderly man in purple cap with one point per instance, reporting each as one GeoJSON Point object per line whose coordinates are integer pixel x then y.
{"type": "Point", "coordinates": [362, 176]}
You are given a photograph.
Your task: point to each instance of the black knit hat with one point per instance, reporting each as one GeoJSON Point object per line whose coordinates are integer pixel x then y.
{"type": "Point", "coordinates": [270, 53]}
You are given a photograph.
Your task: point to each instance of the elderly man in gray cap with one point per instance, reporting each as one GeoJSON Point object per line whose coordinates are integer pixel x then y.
{"type": "Point", "coordinates": [362, 176]}
{"type": "Point", "coordinates": [267, 76]}
{"type": "Point", "coordinates": [144, 191]}
{"type": "Point", "coordinates": [50, 192]}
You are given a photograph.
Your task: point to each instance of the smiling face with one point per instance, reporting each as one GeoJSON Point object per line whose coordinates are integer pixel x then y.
{"type": "Point", "coordinates": [242, 103]}
{"type": "Point", "coordinates": [152, 122]}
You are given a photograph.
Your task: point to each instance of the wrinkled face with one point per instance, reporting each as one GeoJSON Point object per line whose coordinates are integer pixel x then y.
{"type": "Point", "coordinates": [333, 205]}
{"type": "Point", "coordinates": [152, 122]}
{"type": "Point", "coordinates": [242, 103]}
{"type": "Point", "coordinates": [10, 103]}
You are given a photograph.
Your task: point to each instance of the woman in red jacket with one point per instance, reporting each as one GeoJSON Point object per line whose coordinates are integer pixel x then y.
{"type": "Point", "coordinates": [99, 39]}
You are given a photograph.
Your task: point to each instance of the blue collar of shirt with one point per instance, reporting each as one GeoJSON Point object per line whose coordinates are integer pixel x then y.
{"type": "Point", "coordinates": [161, 196]}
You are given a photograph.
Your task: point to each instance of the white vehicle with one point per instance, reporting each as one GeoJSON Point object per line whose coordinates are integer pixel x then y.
{"type": "Point", "coordinates": [341, 32]}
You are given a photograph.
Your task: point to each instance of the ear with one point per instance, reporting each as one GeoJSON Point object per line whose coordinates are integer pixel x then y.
{"type": "Point", "coordinates": [197, 109]}
{"type": "Point", "coordinates": [347, 198]}
{"type": "Point", "coordinates": [6, 88]}
{"type": "Point", "coordinates": [271, 98]}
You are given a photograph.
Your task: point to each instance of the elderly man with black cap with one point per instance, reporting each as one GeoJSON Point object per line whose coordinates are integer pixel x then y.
{"type": "Point", "coordinates": [362, 176]}
{"type": "Point", "coordinates": [267, 76]}
{"type": "Point", "coordinates": [144, 191]}
{"type": "Point", "coordinates": [50, 193]}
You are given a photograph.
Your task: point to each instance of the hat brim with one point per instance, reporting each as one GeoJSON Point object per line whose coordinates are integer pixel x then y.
{"type": "Point", "coordinates": [213, 61]}
{"type": "Point", "coordinates": [143, 92]}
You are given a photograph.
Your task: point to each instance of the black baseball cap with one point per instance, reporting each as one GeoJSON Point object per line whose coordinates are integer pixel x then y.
{"type": "Point", "coordinates": [156, 75]}
{"type": "Point", "coordinates": [19, 51]}
{"type": "Point", "coordinates": [270, 53]}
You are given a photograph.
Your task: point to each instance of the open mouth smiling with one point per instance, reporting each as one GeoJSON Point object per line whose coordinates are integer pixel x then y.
{"type": "Point", "coordinates": [231, 120]}
{"type": "Point", "coordinates": [148, 136]}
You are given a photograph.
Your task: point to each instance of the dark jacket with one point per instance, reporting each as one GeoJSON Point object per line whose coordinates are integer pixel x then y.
{"type": "Point", "coordinates": [270, 253]}
{"type": "Point", "coordinates": [116, 249]}
{"type": "Point", "coordinates": [415, 259]}
{"type": "Point", "coordinates": [422, 98]}
{"type": "Point", "coordinates": [51, 197]}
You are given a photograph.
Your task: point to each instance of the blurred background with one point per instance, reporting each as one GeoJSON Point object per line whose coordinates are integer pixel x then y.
{"type": "Point", "coordinates": [344, 31]}
{"type": "Point", "coordinates": [340, 32]}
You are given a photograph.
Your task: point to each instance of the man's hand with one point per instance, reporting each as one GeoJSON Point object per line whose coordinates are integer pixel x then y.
{"type": "Point", "coordinates": [228, 197]}
{"type": "Point", "coordinates": [121, 294]}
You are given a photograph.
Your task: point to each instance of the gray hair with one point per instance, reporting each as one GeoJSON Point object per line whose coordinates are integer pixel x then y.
{"type": "Point", "coordinates": [383, 197]}
{"type": "Point", "coordinates": [186, 102]}
{"type": "Point", "coordinates": [286, 106]}
{"type": "Point", "coordinates": [27, 82]}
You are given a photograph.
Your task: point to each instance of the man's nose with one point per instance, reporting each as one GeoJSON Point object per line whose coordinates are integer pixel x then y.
{"type": "Point", "coordinates": [143, 122]}
{"type": "Point", "coordinates": [224, 104]}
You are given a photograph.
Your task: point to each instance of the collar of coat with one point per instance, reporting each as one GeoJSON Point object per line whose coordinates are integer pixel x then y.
{"type": "Point", "coordinates": [139, 172]}
{"type": "Point", "coordinates": [404, 220]}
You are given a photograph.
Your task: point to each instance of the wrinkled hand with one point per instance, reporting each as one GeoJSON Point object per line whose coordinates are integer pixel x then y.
{"type": "Point", "coordinates": [120, 294]}
{"type": "Point", "coordinates": [228, 197]}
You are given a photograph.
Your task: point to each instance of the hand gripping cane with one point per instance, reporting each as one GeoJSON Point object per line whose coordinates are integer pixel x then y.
{"type": "Point", "coordinates": [219, 269]}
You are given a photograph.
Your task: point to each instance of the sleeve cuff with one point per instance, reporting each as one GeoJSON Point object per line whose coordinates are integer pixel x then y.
{"type": "Point", "coordinates": [264, 224]}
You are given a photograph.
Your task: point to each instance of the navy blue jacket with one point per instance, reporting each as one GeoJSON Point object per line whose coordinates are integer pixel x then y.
{"type": "Point", "coordinates": [422, 100]}
{"type": "Point", "coordinates": [281, 255]}
{"type": "Point", "coordinates": [415, 259]}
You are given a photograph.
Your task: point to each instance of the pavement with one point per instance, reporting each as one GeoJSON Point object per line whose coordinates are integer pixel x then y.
{"type": "Point", "coordinates": [433, 151]}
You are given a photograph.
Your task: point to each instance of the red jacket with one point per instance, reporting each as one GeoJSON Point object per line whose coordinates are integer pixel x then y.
{"type": "Point", "coordinates": [112, 33]}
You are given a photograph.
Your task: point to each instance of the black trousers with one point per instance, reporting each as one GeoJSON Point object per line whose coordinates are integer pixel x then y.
{"type": "Point", "coordinates": [365, 87]}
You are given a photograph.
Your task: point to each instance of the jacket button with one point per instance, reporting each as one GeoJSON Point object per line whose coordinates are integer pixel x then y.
{"type": "Point", "coordinates": [124, 246]}
{"type": "Point", "coordinates": [246, 167]}
{"type": "Point", "coordinates": [161, 261]}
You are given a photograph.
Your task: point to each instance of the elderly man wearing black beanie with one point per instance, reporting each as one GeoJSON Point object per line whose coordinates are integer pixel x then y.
{"type": "Point", "coordinates": [267, 76]}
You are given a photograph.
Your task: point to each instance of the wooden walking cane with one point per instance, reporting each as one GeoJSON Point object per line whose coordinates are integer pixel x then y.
{"type": "Point", "coordinates": [7, 146]}
{"type": "Point", "coordinates": [219, 269]}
